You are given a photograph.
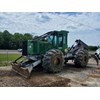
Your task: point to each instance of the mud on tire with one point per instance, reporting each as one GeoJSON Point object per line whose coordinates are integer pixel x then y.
{"type": "Point", "coordinates": [53, 61]}
{"type": "Point", "coordinates": [81, 59]}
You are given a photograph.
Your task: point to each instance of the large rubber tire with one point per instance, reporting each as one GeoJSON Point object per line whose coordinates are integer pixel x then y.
{"type": "Point", "coordinates": [53, 61]}
{"type": "Point", "coordinates": [81, 58]}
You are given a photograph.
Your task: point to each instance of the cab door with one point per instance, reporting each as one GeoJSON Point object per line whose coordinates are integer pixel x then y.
{"type": "Point", "coordinates": [52, 39]}
{"type": "Point", "coordinates": [60, 42]}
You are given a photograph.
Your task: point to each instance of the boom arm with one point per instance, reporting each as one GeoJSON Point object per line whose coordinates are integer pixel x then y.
{"type": "Point", "coordinates": [44, 35]}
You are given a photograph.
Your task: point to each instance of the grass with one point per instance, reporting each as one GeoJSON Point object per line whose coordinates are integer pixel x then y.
{"type": "Point", "coordinates": [6, 59]}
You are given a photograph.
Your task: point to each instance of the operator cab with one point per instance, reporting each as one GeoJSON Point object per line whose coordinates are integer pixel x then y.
{"type": "Point", "coordinates": [58, 39]}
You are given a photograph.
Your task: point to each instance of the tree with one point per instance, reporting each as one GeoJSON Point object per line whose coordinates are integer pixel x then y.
{"type": "Point", "coordinates": [6, 36]}
{"type": "Point", "coordinates": [1, 40]}
{"type": "Point", "coordinates": [27, 36]}
{"type": "Point", "coordinates": [92, 48]}
{"type": "Point", "coordinates": [17, 40]}
{"type": "Point", "coordinates": [13, 41]}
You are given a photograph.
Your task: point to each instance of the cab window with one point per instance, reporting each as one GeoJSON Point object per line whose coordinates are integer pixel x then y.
{"type": "Point", "coordinates": [65, 39]}
{"type": "Point", "coordinates": [50, 39]}
{"type": "Point", "coordinates": [60, 40]}
{"type": "Point", "coordinates": [53, 40]}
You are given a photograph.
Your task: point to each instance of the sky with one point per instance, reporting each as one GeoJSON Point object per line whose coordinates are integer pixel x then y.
{"type": "Point", "coordinates": [81, 25]}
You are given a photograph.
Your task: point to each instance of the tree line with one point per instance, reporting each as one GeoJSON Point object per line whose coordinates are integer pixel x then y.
{"type": "Point", "coordinates": [93, 48]}
{"type": "Point", "coordinates": [12, 41]}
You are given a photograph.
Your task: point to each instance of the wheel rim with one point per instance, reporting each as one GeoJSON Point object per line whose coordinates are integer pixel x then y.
{"type": "Point", "coordinates": [56, 61]}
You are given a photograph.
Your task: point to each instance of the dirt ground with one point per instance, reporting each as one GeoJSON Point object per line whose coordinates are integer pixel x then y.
{"type": "Point", "coordinates": [69, 77]}
{"type": "Point", "coordinates": [89, 76]}
{"type": "Point", "coordinates": [8, 78]}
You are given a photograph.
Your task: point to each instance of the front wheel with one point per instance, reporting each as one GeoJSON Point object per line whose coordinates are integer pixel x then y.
{"type": "Point", "coordinates": [53, 61]}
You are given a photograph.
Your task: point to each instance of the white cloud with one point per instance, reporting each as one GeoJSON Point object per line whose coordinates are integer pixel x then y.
{"type": "Point", "coordinates": [80, 25]}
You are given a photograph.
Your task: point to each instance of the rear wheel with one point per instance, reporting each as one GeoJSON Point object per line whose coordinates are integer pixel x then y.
{"type": "Point", "coordinates": [81, 59]}
{"type": "Point", "coordinates": [53, 61]}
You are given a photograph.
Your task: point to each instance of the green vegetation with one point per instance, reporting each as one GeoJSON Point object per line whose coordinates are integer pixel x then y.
{"type": "Point", "coordinates": [12, 41]}
{"type": "Point", "coordinates": [93, 48]}
{"type": "Point", "coordinates": [9, 57]}
{"type": "Point", "coordinates": [6, 59]}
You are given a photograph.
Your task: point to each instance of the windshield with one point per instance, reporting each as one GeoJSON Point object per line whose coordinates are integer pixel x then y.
{"type": "Point", "coordinates": [50, 39]}
{"type": "Point", "coordinates": [53, 40]}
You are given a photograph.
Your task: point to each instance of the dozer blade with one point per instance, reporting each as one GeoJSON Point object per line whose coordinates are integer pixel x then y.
{"type": "Point", "coordinates": [25, 72]}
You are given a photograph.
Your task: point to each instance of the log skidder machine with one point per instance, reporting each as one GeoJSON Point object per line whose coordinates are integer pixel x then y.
{"type": "Point", "coordinates": [51, 51]}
